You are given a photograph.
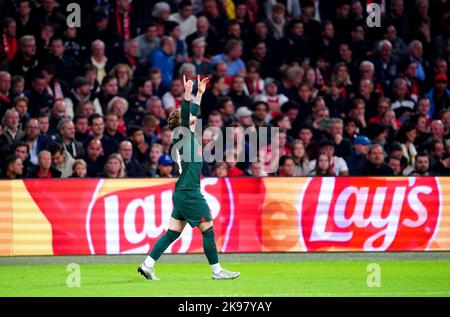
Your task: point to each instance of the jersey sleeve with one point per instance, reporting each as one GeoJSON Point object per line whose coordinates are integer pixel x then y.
{"type": "Point", "coordinates": [185, 114]}
{"type": "Point", "coordinates": [195, 109]}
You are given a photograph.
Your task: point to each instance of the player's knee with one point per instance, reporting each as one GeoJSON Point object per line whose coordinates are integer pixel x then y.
{"type": "Point", "coordinates": [209, 231]}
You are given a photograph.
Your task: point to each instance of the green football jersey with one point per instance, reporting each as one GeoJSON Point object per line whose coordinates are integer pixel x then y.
{"type": "Point", "coordinates": [190, 151]}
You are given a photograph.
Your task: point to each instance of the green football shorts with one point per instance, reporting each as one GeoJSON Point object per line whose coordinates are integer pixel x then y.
{"type": "Point", "coordinates": [190, 205]}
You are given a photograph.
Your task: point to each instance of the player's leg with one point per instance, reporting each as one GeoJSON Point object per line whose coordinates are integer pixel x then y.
{"type": "Point", "coordinates": [210, 248]}
{"type": "Point", "coordinates": [147, 267]}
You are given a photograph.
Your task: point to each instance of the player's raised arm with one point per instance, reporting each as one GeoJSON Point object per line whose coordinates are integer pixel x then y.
{"type": "Point", "coordinates": [200, 91]}
{"type": "Point", "coordinates": [188, 86]}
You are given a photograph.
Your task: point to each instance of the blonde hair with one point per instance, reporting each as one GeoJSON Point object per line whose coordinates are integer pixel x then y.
{"type": "Point", "coordinates": [113, 101]}
{"type": "Point", "coordinates": [115, 69]}
{"type": "Point", "coordinates": [122, 172]}
{"type": "Point", "coordinates": [174, 119]}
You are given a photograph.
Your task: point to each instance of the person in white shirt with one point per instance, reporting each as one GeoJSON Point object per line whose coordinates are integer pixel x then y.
{"type": "Point", "coordinates": [184, 16]}
{"type": "Point", "coordinates": [338, 164]}
{"type": "Point", "coordinates": [272, 97]}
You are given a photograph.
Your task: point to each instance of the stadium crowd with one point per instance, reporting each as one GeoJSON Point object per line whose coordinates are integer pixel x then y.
{"type": "Point", "coordinates": [348, 99]}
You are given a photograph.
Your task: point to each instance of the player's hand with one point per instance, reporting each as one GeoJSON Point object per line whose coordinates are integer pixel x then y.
{"type": "Point", "coordinates": [202, 84]}
{"type": "Point", "coordinates": [188, 86]}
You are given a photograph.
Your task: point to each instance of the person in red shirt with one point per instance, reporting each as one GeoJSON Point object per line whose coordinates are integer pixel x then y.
{"type": "Point", "coordinates": [45, 168]}
{"type": "Point", "coordinates": [8, 45]}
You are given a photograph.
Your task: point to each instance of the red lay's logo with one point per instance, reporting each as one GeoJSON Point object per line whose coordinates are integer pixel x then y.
{"type": "Point", "coordinates": [131, 221]}
{"type": "Point", "coordinates": [370, 214]}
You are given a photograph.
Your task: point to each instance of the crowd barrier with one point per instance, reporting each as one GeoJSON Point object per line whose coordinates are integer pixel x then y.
{"type": "Point", "coordinates": [104, 216]}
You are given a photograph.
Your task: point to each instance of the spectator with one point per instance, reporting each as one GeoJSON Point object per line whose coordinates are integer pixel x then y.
{"type": "Point", "coordinates": [256, 169]}
{"type": "Point", "coordinates": [184, 16]}
{"type": "Point", "coordinates": [11, 132]}
{"type": "Point", "coordinates": [5, 86]}
{"type": "Point", "coordinates": [402, 104]}
{"type": "Point", "coordinates": [439, 162]}
{"type": "Point", "coordinates": [220, 169]}
{"type": "Point", "coordinates": [114, 167]}
{"type": "Point", "coordinates": [109, 90]}
{"type": "Point", "coordinates": [111, 126]}
{"type": "Point", "coordinates": [26, 22]}
{"type": "Point", "coordinates": [165, 166]}
{"type": "Point", "coordinates": [36, 141]}
{"type": "Point", "coordinates": [231, 158]}
{"type": "Point", "coordinates": [422, 166]}
{"type": "Point", "coordinates": [26, 62]}
{"type": "Point", "coordinates": [44, 169]}
{"type": "Point", "coordinates": [85, 108]}
{"type": "Point", "coordinates": [439, 95]}
{"type": "Point", "coordinates": [238, 94]}
{"type": "Point", "coordinates": [301, 161]}
{"type": "Point", "coordinates": [81, 123]}
{"type": "Point", "coordinates": [98, 59]}
{"type": "Point", "coordinates": [163, 59]}
{"type": "Point", "coordinates": [272, 97]}
{"type": "Point", "coordinates": [13, 167]}
{"type": "Point", "coordinates": [124, 75]}
{"type": "Point", "coordinates": [231, 57]}
{"type": "Point", "coordinates": [66, 138]}
{"type": "Point", "coordinates": [97, 127]}
{"type": "Point", "coordinates": [147, 42]}
{"type": "Point", "coordinates": [323, 166]}
{"type": "Point", "coordinates": [132, 166]}
{"type": "Point", "coordinates": [338, 164]}
{"type": "Point", "coordinates": [151, 166]}
{"type": "Point", "coordinates": [124, 20]}
{"type": "Point", "coordinates": [287, 167]}
{"type": "Point", "coordinates": [226, 109]}
{"type": "Point", "coordinates": [40, 100]}
{"type": "Point", "coordinates": [80, 92]}
{"type": "Point", "coordinates": [406, 136]}
{"type": "Point", "coordinates": [61, 160]}
{"type": "Point", "coordinates": [22, 150]}
{"type": "Point", "coordinates": [202, 64]}
{"type": "Point", "coordinates": [395, 164]}
{"type": "Point", "coordinates": [174, 98]}
{"type": "Point", "coordinates": [385, 65]}
{"type": "Point", "coordinates": [44, 124]}
{"type": "Point", "coordinates": [375, 165]}
{"type": "Point", "coordinates": [119, 107]}
{"type": "Point", "coordinates": [79, 169]}
{"type": "Point", "coordinates": [277, 20]}
{"type": "Point", "coordinates": [94, 158]}
{"type": "Point", "coordinates": [359, 154]}
{"type": "Point", "coordinates": [65, 66]}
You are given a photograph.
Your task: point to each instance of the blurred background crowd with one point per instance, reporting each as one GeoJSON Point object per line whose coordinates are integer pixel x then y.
{"type": "Point", "coordinates": [347, 99]}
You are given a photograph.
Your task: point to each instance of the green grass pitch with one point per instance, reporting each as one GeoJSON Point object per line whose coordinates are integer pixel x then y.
{"type": "Point", "coordinates": [279, 274]}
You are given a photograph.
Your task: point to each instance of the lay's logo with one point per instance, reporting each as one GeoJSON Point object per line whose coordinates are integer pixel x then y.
{"type": "Point", "coordinates": [370, 214]}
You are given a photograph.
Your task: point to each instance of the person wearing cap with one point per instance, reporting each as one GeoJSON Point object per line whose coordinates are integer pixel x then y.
{"type": "Point", "coordinates": [439, 95]}
{"type": "Point", "coordinates": [190, 206]}
{"type": "Point", "coordinates": [165, 166]}
{"type": "Point", "coordinates": [244, 117]}
{"type": "Point", "coordinates": [359, 153]}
